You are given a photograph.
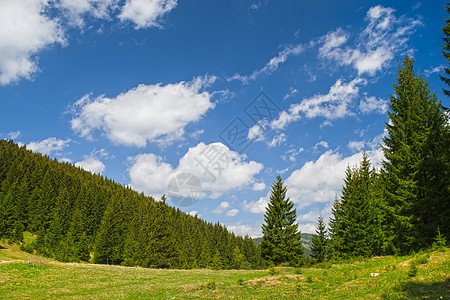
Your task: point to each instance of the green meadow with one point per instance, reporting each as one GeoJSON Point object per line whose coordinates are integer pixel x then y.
{"type": "Point", "coordinates": [424, 275]}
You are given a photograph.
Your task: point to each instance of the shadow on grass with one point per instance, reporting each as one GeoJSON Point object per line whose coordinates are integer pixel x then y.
{"type": "Point", "coordinates": [418, 290]}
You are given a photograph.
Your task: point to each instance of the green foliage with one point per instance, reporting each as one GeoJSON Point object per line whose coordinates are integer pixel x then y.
{"type": "Point", "coordinates": [416, 173]}
{"type": "Point", "coordinates": [273, 271]}
{"type": "Point", "coordinates": [79, 216]}
{"type": "Point", "coordinates": [211, 285]}
{"type": "Point", "coordinates": [446, 50]}
{"type": "Point", "coordinates": [440, 242]}
{"type": "Point", "coordinates": [281, 242]}
{"type": "Point", "coordinates": [319, 243]}
{"type": "Point", "coordinates": [356, 224]}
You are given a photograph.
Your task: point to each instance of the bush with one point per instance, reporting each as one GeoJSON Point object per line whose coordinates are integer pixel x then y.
{"type": "Point", "coordinates": [27, 248]}
{"type": "Point", "coordinates": [412, 272]}
{"type": "Point", "coordinates": [273, 271]}
{"type": "Point", "coordinates": [211, 285]}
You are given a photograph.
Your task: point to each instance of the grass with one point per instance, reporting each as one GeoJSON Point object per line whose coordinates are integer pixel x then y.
{"type": "Point", "coordinates": [26, 276]}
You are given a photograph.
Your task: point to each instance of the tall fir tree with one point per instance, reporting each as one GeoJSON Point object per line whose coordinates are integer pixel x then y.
{"type": "Point", "coordinates": [319, 242]}
{"type": "Point", "coordinates": [356, 226]}
{"type": "Point", "coordinates": [446, 50]}
{"type": "Point", "coordinates": [416, 170]}
{"type": "Point", "coordinates": [281, 242]}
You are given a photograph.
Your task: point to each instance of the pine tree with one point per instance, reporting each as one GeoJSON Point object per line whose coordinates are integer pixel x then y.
{"type": "Point", "coordinates": [319, 242]}
{"type": "Point", "coordinates": [356, 226]}
{"type": "Point", "coordinates": [446, 50]}
{"type": "Point", "coordinates": [281, 242]}
{"type": "Point", "coordinates": [416, 169]}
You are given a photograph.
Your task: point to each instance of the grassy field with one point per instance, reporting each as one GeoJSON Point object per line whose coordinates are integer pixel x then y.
{"type": "Point", "coordinates": [420, 276]}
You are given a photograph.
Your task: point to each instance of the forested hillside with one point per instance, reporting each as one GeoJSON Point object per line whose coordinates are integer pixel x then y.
{"type": "Point", "coordinates": [79, 216]}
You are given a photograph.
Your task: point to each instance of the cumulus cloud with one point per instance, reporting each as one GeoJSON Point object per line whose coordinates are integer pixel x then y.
{"type": "Point", "coordinates": [76, 10]}
{"type": "Point", "coordinates": [91, 164]}
{"type": "Point", "coordinates": [356, 146]}
{"type": "Point", "coordinates": [256, 132]}
{"type": "Point", "coordinates": [223, 206]}
{"type": "Point", "coordinates": [259, 186]}
{"type": "Point", "coordinates": [146, 13]}
{"type": "Point", "coordinates": [24, 32]}
{"type": "Point", "coordinates": [30, 26]}
{"type": "Point", "coordinates": [232, 212]}
{"type": "Point", "coordinates": [147, 113]}
{"type": "Point", "coordinates": [252, 230]}
{"type": "Point", "coordinates": [48, 146]}
{"type": "Point", "coordinates": [376, 45]}
{"type": "Point", "coordinates": [277, 140]}
{"type": "Point", "coordinates": [256, 207]}
{"type": "Point", "coordinates": [218, 169]}
{"type": "Point", "coordinates": [372, 104]}
{"type": "Point", "coordinates": [320, 144]}
{"type": "Point", "coordinates": [334, 105]}
{"type": "Point", "coordinates": [271, 66]}
{"type": "Point", "coordinates": [373, 144]}
{"type": "Point", "coordinates": [321, 180]}
{"type": "Point", "coordinates": [194, 213]}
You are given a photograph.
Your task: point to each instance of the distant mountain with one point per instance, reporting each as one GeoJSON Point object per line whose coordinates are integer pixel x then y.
{"type": "Point", "coordinates": [306, 242]}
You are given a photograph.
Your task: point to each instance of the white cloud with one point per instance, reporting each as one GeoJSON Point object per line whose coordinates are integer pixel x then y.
{"type": "Point", "coordinates": [332, 41]}
{"type": "Point", "coordinates": [321, 180]}
{"type": "Point", "coordinates": [277, 140]}
{"type": "Point", "coordinates": [91, 164]}
{"type": "Point", "coordinates": [334, 105]}
{"type": "Point", "coordinates": [76, 10]}
{"type": "Point", "coordinates": [256, 132]}
{"type": "Point", "coordinates": [147, 113]}
{"type": "Point", "coordinates": [356, 146]}
{"type": "Point", "coordinates": [226, 170]}
{"type": "Point", "coordinates": [146, 13]}
{"type": "Point", "coordinates": [24, 32]}
{"type": "Point", "coordinates": [253, 230]}
{"type": "Point", "coordinates": [14, 134]}
{"type": "Point", "coordinates": [48, 146]}
{"type": "Point", "coordinates": [374, 144]}
{"type": "Point", "coordinates": [372, 104]}
{"type": "Point", "coordinates": [232, 212]}
{"type": "Point", "coordinates": [384, 37]}
{"type": "Point", "coordinates": [320, 144]}
{"type": "Point", "coordinates": [92, 161]}
{"type": "Point", "coordinates": [292, 93]}
{"type": "Point", "coordinates": [256, 207]}
{"type": "Point", "coordinates": [307, 228]}
{"type": "Point", "coordinates": [431, 71]}
{"type": "Point", "coordinates": [194, 213]}
{"type": "Point", "coordinates": [292, 154]}
{"type": "Point", "coordinates": [271, 66]}
{"type": "Point", "coordinates": [223, 206]}
{"type": "Point", "coordinates": [259, 186]}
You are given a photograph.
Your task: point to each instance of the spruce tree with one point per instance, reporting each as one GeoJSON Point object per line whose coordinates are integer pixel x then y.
{"type": "Point", "coordinates": [281, 242]}
{"type": "Point", "coordinates": [416, 169]}
{"type": "Point", "coordinates": [319, 242]}
{"type": "Point", "coordinates": [446, 50]}
{"type": "Point", "coordinates": [356, 226]}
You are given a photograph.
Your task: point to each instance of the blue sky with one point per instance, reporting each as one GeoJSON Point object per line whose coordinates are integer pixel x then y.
{"type": "Point", "coordinates": [214, 97]}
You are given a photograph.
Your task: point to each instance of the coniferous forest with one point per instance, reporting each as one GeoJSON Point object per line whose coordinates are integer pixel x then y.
{"type": "Point", "coordinates": [79, 216]}
{"type": "Point", "coordinates": [400, 208]}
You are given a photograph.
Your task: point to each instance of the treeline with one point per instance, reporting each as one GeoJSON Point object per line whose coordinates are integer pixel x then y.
{"type": "Point", "coordinates": [79, 216]}
{"type": "Point", "coordinates": [405, 205]}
